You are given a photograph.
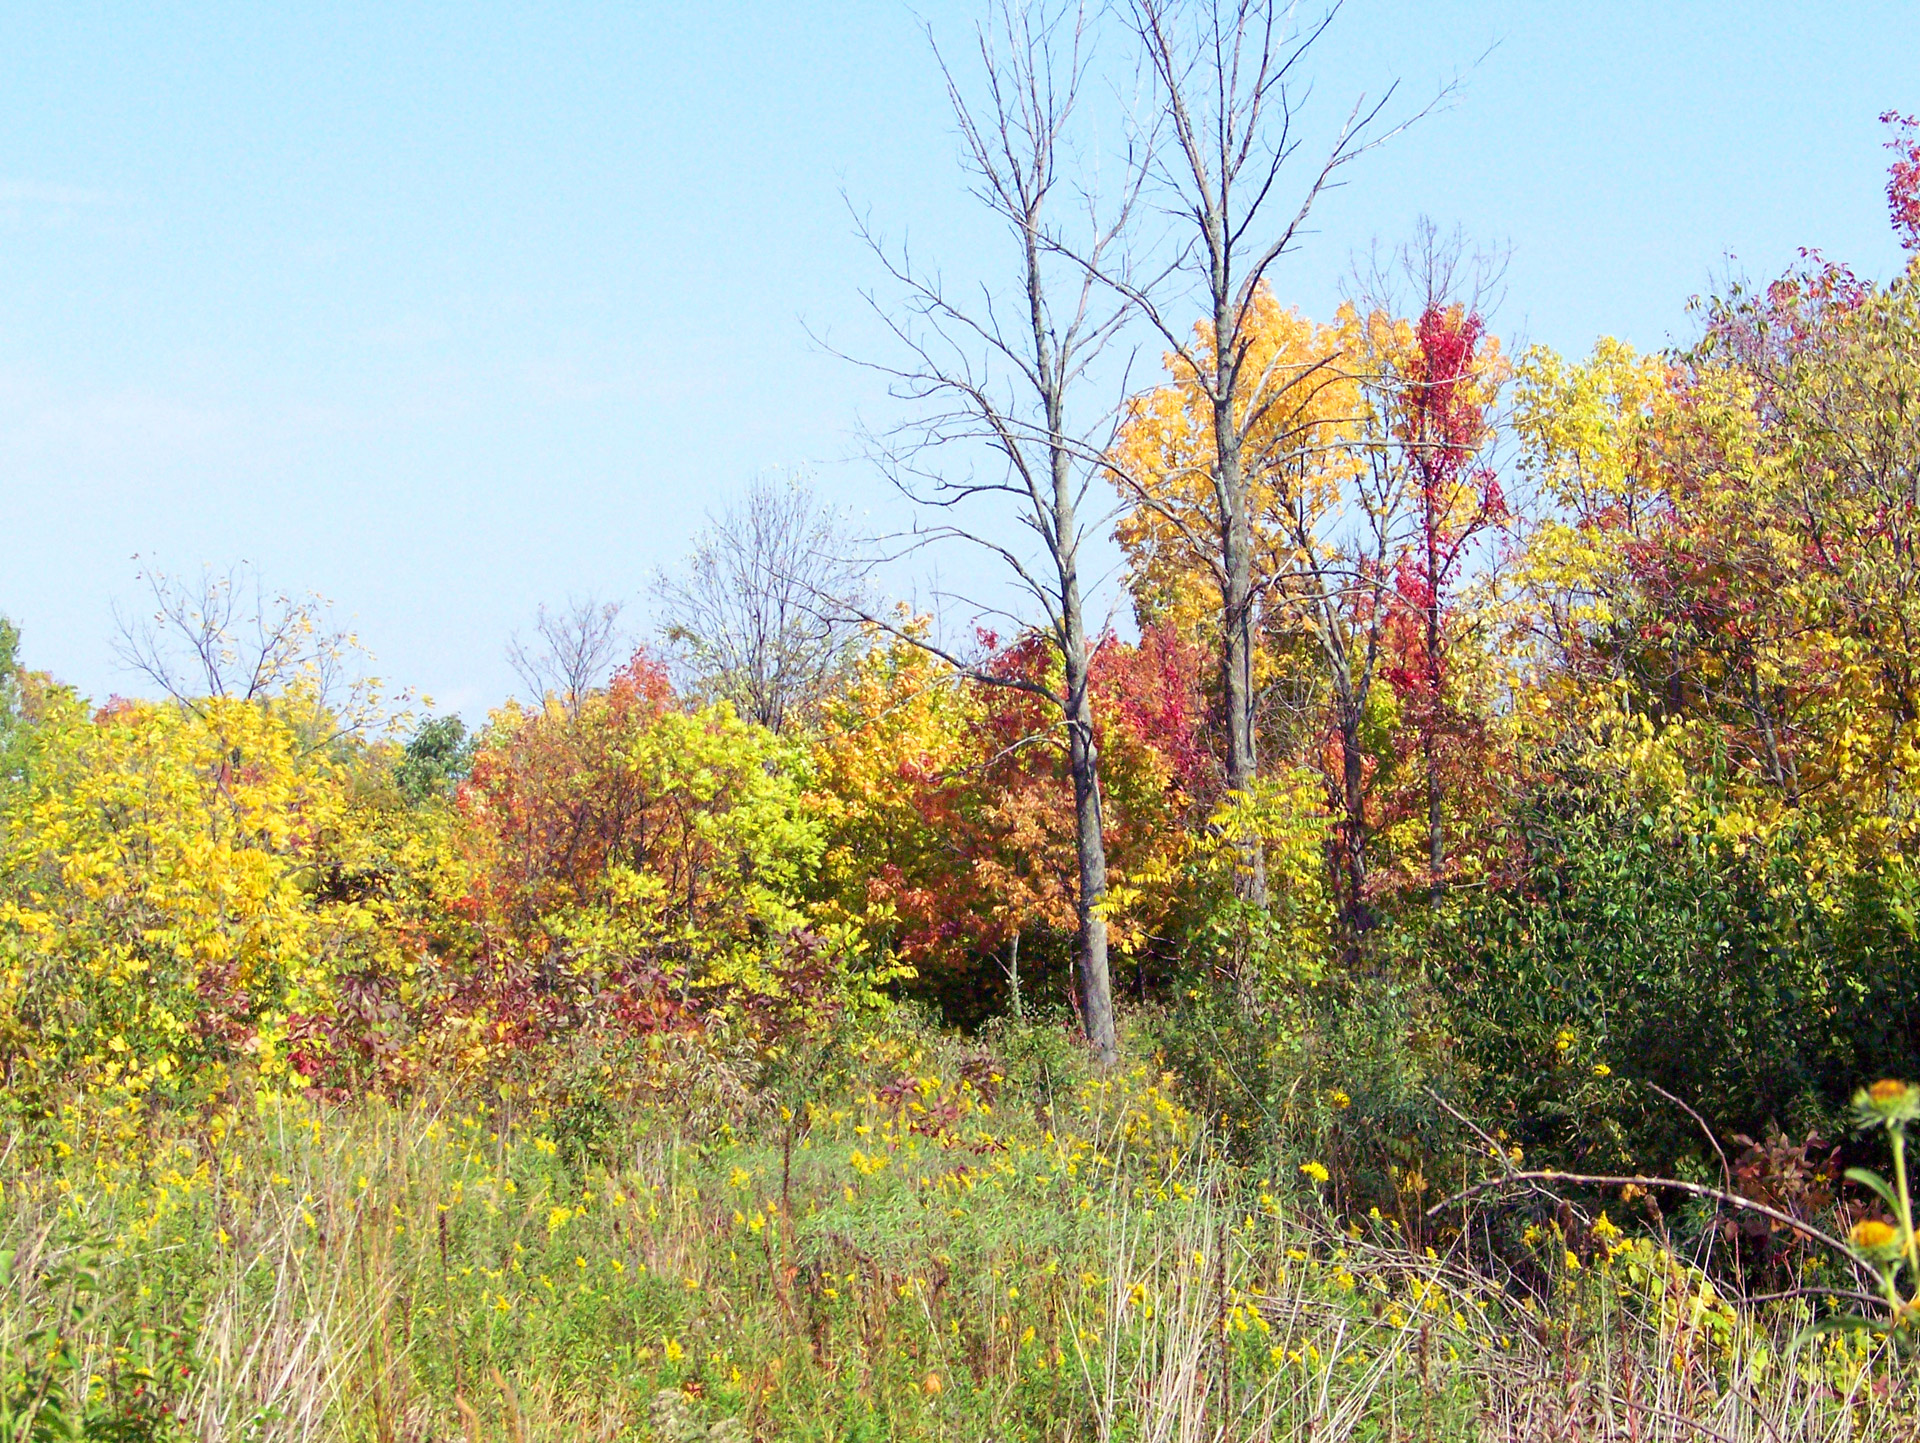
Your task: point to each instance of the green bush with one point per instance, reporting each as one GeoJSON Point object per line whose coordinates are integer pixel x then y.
{"type": "Point", "coordinates": [1626, 949]}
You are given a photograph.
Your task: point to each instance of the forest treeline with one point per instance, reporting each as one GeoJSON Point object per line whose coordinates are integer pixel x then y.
{"type": "Point", "coordinates": [1584, 704]}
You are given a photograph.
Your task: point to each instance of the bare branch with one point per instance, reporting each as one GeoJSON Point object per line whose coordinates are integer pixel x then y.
{"type": "Point", "coordinates": [1712, 1194]}
{"type": "Point", "coordinates": [758, 613]}
{"type": "Point", "coordinates": [224, 636]}
{"type": "Point", "coordinates": [1007, 392]}
{"type": "Point", "coordinates": [572, 650]}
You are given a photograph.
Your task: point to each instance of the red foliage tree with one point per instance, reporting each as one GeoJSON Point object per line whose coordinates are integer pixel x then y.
{"type": "Point", "coordinates": [955, 831]}
{"type": "Point", "coordinates": [633, 863]}
{"type": "Point", "coordinates": [1155, 694]}
{"type": "Point", "coordinates": [1444, 426]}
{"type": "Point", "coordinates": [1903, 177]}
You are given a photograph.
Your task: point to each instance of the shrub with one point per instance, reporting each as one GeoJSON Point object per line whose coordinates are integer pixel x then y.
{"type": "Point", "coordinates": [182, 890]}
{"type": "Point", "coordinates": [1638, 943]}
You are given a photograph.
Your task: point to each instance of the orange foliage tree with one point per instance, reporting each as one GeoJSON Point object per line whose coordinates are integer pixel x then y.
{"type": "Point", "coordinates": [950, 832]}
{"type": "Point", "coordinates": [633, 864]}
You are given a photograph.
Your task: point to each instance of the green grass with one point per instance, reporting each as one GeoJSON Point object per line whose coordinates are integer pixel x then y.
{"type": "Point", "coordinates": [951, 1257]}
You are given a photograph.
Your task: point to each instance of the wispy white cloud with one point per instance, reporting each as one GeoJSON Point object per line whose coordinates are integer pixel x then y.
{"type": "Point", "coordinates": [104, 431]}
{"type": "Point", "coordinates": [40, 193]}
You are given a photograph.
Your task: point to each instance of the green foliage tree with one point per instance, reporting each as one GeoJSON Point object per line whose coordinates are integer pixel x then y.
{"type": "Point", "coordinates": [12, 703]}
{"type": "Point", "coordinates": [1631, 941]}
{"type": "Point", "coordinates": [435, 760]}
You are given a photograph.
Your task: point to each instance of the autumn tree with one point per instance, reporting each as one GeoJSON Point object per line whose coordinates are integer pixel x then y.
{"type": "Point", "coordinates": [194, 899]}
{"type": "Point", "coordinates": [1435, 394]}
{"type": "Point", "coordinates": [1342, 532]}
{"type": "Point", "coordinates": [1365, 492]}
{"type": "Point", "coordinates": [625, 856]}
{"type": "Point", "coordinates": [1734, 541]}
{"type": "Point", "coordinates": [1652, 568]}
{"type": "Point", "coordinates": [1588, 435]}
{"type": "Point", "coordinates": [950, 819]}
{"type": "Point", "coordinates": [1164, 455]}
{"type": "Point", "coordinates": [897, 861]}
{"type": "Point", "coordinates": [1793, 543]}
{"type": "Point", "coordinates": [1903, 177]}
{"type": "Point", "coordinates": [1229, 78]}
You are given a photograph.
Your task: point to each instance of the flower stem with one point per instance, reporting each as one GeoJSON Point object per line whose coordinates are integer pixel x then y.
{"type": "Point", "coordinates": [1905, 1198]}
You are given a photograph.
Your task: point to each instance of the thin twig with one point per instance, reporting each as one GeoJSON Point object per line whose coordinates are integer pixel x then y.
{"type": "Point", "coordinates": [1726, 1172]}
{"type": "Point", "coordinates": [1581, 1179]}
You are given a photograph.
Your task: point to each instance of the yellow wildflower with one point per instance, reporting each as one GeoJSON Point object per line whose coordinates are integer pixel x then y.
{"type": "Point", "coordinates": [1871, 1235]}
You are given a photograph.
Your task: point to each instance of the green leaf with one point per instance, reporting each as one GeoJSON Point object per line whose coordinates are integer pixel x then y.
{"type": "Point", "coordinates": [1876, 1182]}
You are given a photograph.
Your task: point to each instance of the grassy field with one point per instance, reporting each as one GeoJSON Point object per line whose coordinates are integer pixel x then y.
{"type": "Point", "coordinates": [941, 1244]}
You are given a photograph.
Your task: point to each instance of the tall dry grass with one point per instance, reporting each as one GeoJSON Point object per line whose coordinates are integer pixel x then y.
{"type": "Point", "coordinates": [1374, 1341]}
{"type": "Point", "coordinates": [1080, 1266]}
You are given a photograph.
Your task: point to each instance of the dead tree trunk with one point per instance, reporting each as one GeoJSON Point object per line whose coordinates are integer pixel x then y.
{"type": "Point", "coordinates": [1228, 84]}
{"type": "Point", "coordinates": [1016, 391]}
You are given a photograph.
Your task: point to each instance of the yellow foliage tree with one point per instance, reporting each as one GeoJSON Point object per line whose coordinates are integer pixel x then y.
{"type": "Point", "coordinates": [182, 889]}
{"type": "Point", "coordinates": [1304, 416]}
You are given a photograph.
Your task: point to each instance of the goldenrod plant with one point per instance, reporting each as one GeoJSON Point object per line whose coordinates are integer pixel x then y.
{"type": "Point", "coordinates": [1886, 1246]}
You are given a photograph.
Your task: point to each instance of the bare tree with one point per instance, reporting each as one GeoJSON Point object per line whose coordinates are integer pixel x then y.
{"type": "Point", "coordinates": [571, 651]}
{"type": "Point", "coordinates": [742, 618]}
{"type": "Point", "coordinates": [1006, 374]}
{"type": "Point", "coordinates": [226, 636]}
{"type": "Point", "coordinates": [1229, 84]}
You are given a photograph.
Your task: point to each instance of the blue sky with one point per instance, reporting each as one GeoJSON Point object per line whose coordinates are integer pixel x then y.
{"type": "Point", "coordinates": [445, 311]}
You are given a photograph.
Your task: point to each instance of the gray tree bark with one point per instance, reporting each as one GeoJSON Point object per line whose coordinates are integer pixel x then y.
{"type": "Point", "coordinates": [1227, 123]}
{"type": "Point", "coordinates": [1016, 390]}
